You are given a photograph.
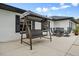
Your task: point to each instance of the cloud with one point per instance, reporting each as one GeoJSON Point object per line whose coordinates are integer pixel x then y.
{"type": "Point", "coordinates": [75, 4]}
{"type": "Point", "coordinates": [44, 9]}
{"type": "Point", "coordinates": [54, 8]}
{"type": "Point", "coordinates": [41, 9]}
{"type": "Point", "coordinates": [62, 6]}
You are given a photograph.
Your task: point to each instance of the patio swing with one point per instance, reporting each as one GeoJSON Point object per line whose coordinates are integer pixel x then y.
{"type": "Point", "coordinates": [32, 33]}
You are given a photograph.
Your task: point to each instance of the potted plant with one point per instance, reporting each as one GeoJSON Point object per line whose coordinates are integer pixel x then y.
{"type": "Point", "coordinates": [76, 31]}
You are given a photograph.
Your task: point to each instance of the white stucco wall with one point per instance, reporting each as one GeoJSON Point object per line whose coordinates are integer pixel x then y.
{"type": "Point", "coordinates": [7, 26]}
{"type": "Point", "coordinates": [62, 23]}
{"type": "Point", "coordinates": [73, 25]}
{"type": "Point", "coordinates": [52, 24]}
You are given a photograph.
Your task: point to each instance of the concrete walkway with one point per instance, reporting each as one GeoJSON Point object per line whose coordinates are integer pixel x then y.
{"type": "Point", "coordinates": [60, 46]}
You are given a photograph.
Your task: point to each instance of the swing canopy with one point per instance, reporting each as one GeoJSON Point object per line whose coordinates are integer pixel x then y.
{"type": "Point", "coordinates": [34, 16]}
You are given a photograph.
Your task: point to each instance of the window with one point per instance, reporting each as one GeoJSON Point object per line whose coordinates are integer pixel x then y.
{"type": "Point", "coordinates": [25, 28]}
{"type": "Point", "coordinates": [70, 24]}
{"type": "Point", "coordinates": [21, 26]}
{"type": "Point", "coordinates": [33, 25]}
{"type": "Point", "coordinates": [17, 23]}
{"type": "Point", "coordinates": [37, 25]}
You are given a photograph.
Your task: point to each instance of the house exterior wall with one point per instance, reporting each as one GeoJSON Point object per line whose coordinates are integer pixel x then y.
{"type": "Point", "coordinates": [51, 24]}
{"type": "Point", "coordinates": [62, 23]}
{"type": "Point", "coordinates": [73, 25]}
{"type": "Point", "coordinates": [7, 26]}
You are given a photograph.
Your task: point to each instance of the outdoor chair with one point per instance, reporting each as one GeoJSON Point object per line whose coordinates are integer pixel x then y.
{"type": "Point", "coordinates": [58, 31]}
{"type": "Point", "coordinates": [67, 32]}
{"type": "Point", "coordinates": [54, 31]}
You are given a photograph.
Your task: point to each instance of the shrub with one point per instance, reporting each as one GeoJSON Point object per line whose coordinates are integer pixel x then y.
{"type": "Point", "coordinates": [76, 30]}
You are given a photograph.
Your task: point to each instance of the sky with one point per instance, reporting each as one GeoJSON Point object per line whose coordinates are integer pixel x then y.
{"type": "Point", "coordinates": [51, 9]}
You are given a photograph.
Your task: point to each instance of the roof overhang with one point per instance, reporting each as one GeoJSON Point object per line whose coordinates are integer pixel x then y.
{"type": "Point", "coordinates": [59, 18]}
{"type": "Point", "coordinates": [77, 21]}
{"type": "Point", "coordinates": [11, 8]}
{"type": "Point", "coordinates": [34, 16]}
{"type": "Point", "coordinates": [30, 14]}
